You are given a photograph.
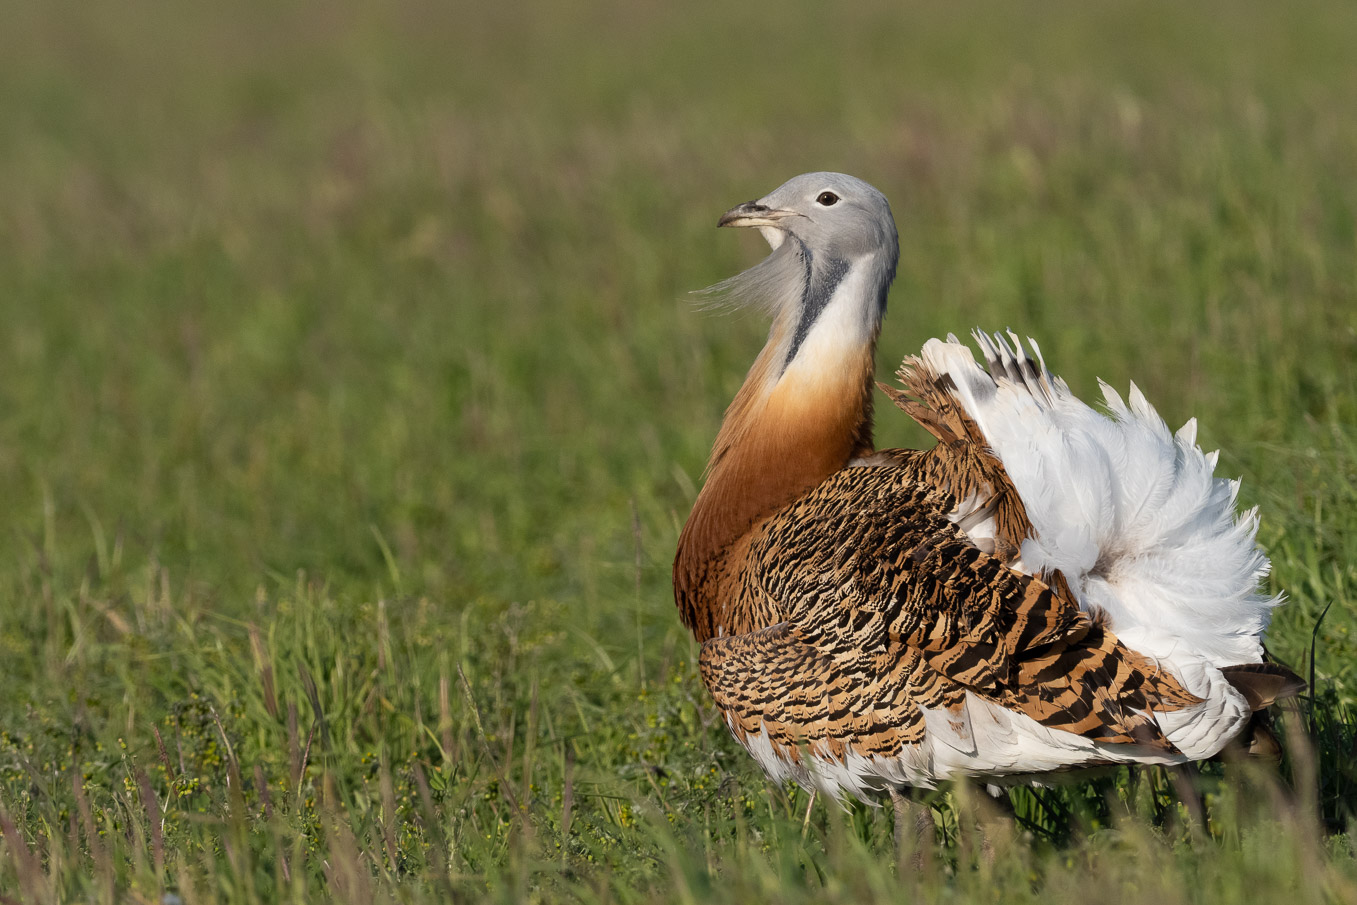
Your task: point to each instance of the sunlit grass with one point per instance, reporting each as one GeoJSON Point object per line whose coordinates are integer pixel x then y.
{"type": "Point", "coordinates": [351, 402]}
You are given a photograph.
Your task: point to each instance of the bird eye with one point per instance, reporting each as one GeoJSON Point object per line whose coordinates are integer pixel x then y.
{"type": "Point", "coordinates": [827, 198]}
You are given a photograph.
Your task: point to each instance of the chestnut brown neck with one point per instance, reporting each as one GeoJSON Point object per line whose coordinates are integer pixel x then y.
{"type": "Point", "coordinates": [787, 430]}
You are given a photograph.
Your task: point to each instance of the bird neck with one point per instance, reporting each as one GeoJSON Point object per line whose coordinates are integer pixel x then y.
{"type": "Point", "coordinates": [794, 422]}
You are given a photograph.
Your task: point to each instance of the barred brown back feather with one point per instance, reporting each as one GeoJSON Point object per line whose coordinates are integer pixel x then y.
{"type": "Point", "coordinates": [883, 605]}
{"type": "Point", "coordinates": [964, 464]}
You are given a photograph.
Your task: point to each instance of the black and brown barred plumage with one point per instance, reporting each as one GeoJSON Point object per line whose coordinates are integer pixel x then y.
{"type": "Point", "coordinates": [872, 620]}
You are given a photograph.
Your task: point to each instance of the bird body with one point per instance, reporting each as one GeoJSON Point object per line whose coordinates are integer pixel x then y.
{"type": "Point", "coordinates": [1048, 588]}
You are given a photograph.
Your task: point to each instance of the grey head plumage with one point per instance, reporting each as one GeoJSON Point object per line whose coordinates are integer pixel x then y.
{"type": "Point", "coordinates": [823, 228]}
{"type": "Point", "coordinates": [832, 213]}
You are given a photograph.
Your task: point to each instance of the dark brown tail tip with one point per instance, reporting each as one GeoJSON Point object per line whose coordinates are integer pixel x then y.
{"type": "Point", "coordinates": [1263, 684]}
{"type": "Point", "coordinates": [1261, 742]}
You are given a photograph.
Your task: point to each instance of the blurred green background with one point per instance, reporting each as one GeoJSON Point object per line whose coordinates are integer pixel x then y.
{"type": "Point", "coordinates": [351, 344]}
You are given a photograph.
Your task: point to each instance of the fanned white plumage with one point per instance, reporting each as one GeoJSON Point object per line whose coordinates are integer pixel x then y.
{"type": "Point", "coordinates": [1134, 518]}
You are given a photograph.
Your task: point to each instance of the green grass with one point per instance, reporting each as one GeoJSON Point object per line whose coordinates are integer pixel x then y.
{"type": "Point", "coordinates": [351, 402]}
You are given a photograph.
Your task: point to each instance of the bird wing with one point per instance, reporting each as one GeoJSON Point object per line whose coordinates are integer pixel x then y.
{"type": "Point", "coordinates": [891, 608]}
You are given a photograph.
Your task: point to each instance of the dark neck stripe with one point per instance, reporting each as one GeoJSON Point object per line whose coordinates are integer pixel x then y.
{"type": "Point", "coordinates": [819, 290]}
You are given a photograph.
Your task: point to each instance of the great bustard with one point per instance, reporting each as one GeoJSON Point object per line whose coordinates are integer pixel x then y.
{"type": "Point", "coordinates": [1047, 588]}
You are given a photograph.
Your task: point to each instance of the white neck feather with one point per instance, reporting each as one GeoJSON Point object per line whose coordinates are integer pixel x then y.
{"type": "Point", "coordinates": [850, 321]}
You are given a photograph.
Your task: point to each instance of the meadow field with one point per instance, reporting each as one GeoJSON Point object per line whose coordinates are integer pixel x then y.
{"type": "Point", "coordinates": [352, 398]}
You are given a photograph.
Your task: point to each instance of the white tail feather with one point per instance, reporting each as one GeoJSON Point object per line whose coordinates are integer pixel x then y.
{"type": "Point", "coordinates": [1130, 513]}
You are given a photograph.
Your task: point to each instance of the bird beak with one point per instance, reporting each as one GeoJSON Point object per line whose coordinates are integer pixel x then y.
{"type": "Point", "coordinates": [751, 213]}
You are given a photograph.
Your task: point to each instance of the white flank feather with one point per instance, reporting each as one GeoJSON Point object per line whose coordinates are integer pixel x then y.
{"type": "Point", "coordinates": [1001, 746]}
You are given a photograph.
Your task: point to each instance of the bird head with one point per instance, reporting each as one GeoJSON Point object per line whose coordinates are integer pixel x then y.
{"type": "Point", "coordinates": [832, 214]}
{"type": "Point", "coordinates": [834, 250]}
